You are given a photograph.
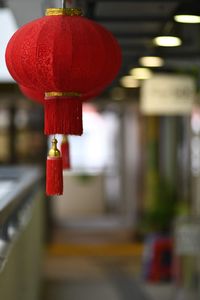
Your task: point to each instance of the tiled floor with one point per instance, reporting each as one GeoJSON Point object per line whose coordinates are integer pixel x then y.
{"type": "Point", "coordinates": [93, 289]}
{"type": "Point", "coordinates": [102, 278]}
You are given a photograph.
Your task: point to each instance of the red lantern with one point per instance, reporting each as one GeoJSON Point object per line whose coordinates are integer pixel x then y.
{"type": "Point", "coordinates": [66, 57]}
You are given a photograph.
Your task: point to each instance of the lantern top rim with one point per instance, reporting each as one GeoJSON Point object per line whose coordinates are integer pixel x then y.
{"type": "Point", "coordinates": [64, 12]}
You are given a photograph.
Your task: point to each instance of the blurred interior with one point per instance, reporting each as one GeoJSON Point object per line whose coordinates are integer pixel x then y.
{"type": "Point", "coordinates": [128, 223]}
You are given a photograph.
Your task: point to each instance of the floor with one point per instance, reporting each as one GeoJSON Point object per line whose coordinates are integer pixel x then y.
{"type": "Point", "coordinates": [105, 265]}
{"type": "Point", "coordinates": [99, 278]}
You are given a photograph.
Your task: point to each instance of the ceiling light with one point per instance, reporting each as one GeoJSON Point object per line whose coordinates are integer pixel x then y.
{"type": "Point", "coordinates": [151, 61]}
{"type": "Point", "coordinates": [188, 12]}
{"type": "Point", "coordinates": [129, 82]}
{"type": "Point", "coordinates": [167, 41]}
{"type": "Point", "coordinates": [187, 18]}
{"type": "Point", "coordinates": [141, 73]}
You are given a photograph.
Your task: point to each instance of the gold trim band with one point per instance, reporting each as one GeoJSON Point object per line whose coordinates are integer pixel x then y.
{"type": "Point", "coordinates": [62, 94]}
{"type": "Point", "coordinates": [64, 12]}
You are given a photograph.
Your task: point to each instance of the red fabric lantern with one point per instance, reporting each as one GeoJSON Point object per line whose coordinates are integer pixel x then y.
{"type": "Point", "coordinates": [66, 57]}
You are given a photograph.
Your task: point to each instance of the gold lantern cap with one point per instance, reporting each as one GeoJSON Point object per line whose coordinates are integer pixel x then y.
{"type": "Point", "coordinates": [64, 12]}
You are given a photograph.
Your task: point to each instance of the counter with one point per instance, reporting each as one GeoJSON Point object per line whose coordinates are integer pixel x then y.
{"type": "Point", "coordinates": [21, 232]}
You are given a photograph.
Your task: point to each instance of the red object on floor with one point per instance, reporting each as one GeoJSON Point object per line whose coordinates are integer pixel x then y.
{"type": "Point", "coordinates": [161, 264]}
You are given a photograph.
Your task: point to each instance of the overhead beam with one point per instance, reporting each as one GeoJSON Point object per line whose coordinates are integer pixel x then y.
{"type": "Point", "coordinates": [179, 55]}
{"type": "Point", "coordinates": [138, 1]}
{"type": "Point", "coordinates": [134, 35]}
{"type": "Point", "coordinates": [90, 9]}
{"type": "Point", "coordinates": [132, 19]}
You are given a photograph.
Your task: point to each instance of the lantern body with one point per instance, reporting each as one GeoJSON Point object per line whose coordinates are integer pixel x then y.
{"type": "Point", "coordinates": [65, 58]}
{"type": "Point", "coordinates": [63, 54]}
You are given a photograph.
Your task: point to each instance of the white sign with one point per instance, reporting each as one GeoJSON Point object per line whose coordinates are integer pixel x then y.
{"type": "Point", "coordinates": [167, 95]}
{"type": "Point", "coordinates": [187, 239]}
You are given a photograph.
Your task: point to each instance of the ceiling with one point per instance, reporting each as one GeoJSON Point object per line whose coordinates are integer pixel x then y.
{"type": "Point", "coordinates": [134, 23]}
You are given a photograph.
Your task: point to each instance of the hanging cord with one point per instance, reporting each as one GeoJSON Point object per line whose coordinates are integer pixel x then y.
{"type": "Point", "coordinates": [66, 1]}
{"type": "Point", "coordinates": [70, 2]}
{"type": "Point", "coordinates": [64, 4]}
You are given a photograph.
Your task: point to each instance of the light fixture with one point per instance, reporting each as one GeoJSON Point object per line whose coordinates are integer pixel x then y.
{"type": "Point", "coordinates": [151, 61]}
{"type": "Point", "coordinates": [188, 12]}
{"type": "Point", "coordinates": [190, 19]}
{"type": "Point", "coordinates": [167, 41]}
{"type": "Point", "coordinates": [8, 27]}
{"type": "Point", "coordinates": [141, 73]}
{"type": "Point", "coordinates": [129, 82]}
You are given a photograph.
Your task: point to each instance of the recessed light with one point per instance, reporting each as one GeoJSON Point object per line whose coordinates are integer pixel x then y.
{"type": "Point", "coordinates": [141, 73]}
{"type": "Point", "coordinates": [129, 82]}
{"type": "Point", "coordinates": [187, 18]}
{"type": "Point", "coordinates": [167, 41]}
{"type": "Point", "coordinates": [151, 61]}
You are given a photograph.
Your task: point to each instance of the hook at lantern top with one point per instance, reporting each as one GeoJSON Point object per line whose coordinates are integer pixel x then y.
{"type": "Point", "coordinates": [64, 12]}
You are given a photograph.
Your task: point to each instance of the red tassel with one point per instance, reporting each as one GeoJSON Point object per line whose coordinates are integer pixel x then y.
{"type": "Point", "coordinates": [63, 115]}
{"type": "Point", "coordinates": [65, 152]}
{"type": "Point", "coordinates": [54, 172]}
